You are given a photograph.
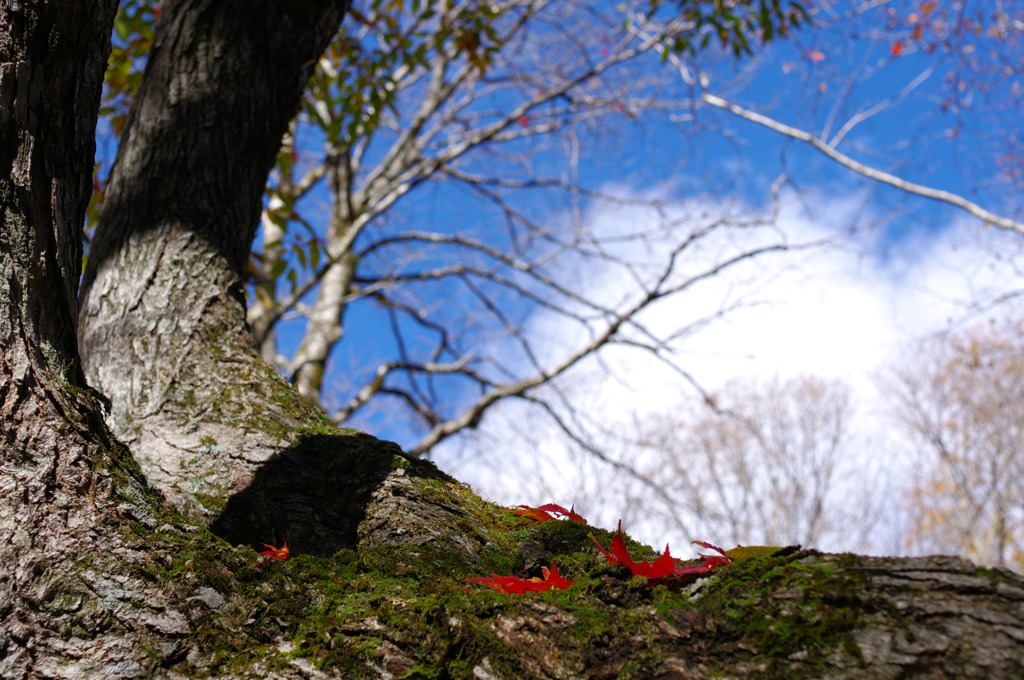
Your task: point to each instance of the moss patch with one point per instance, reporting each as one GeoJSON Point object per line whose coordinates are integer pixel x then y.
{"type": "Point", "coordinates": [407, 611]}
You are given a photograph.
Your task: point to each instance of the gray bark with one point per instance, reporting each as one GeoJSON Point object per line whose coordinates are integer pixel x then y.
{"type": "Point", "coordinates": [65, 485]}
{"type": "Point", "coordinates": [163, 303]}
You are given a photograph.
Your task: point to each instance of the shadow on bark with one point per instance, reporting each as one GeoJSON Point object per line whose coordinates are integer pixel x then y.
{"type": "Point", "coordinates": [329, 492]}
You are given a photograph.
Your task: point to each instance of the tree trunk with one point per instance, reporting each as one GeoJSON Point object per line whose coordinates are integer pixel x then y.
{"type": "Point", "coordinates": [163, 304]}
{"type": "Point", "coordinates": [67, 490]}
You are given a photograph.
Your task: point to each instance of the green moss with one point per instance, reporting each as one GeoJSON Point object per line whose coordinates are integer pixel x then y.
{"type": "Point", "coordinates": [793, 614]}
{"type": "Point", "coordinates": [784, 615]}
{"type": "Point", "coordinates": [566, 538]}
{"type": "Point", "coordinates": [272, 406]}
{"type": "Point", "coordinates": [322, 429]}
{"type": "Point", "coordinates": [330, 606]}
{"type": "Point", "coordinates": [212, 503]}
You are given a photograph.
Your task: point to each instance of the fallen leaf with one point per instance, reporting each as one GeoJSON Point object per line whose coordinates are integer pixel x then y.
{"type": "Point", "coordinates": [268, 556]}
{"type": "Point", "coordinates": [709, 546]}
{"type": "Point", "coordinates": [661, 567]}
{"type": "Point", "coordinates": [514, 585]}
{"type": "Point", "coordinates": [277, 553]}
{"type": "Point", "coordinates": [689, 571]}
{"type": "Point", "coordinates": [745, 552]}
{"type": "Point", "coordinates": [535, 514]}
{"type": "Point", "coordinates": [546, 513]}
{"type": "Point", "coordinates": [569, 514]}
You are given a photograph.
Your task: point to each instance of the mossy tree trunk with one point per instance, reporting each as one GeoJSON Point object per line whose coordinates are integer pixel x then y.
{"type": "Point", "coordinates": [163, 328]}
{"type": "Point", "coordinates": [99, 579]}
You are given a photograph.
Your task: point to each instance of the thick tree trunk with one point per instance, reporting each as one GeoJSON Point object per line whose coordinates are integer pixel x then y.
{"type": "Point", "coordinates": [67, 602]}
{"type": "Point", "coordinates": [163, 305]}
{"type": "Point", "coordinates": [802, 616]}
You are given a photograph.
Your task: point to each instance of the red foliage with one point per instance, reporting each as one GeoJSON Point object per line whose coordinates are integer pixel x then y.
{"type": "Point", "coordinates": [709, 563]}
{"type": "Point", "coordinates": [548, 512]}
{"type": "Point", "coordinates": [661, 567]}
{"type": "Point", "coordinates": [666, 569]}
{"type": "Point", "coordinates": [514, 585]}
{"type": "Point", "coordinates": [268, 556]}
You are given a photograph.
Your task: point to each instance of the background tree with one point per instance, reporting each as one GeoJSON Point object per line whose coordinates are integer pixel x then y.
{"type": "Point", "coordinates": [772, 462]}
{"type": "Point", "coordinates": [511, 143]}
{"type": "Point", "coordinates": [958, 400]}
{"type": "Point", "coordinates": [768, 463]}
{"type": "Point", "coordinates": [957, 57]}
{"type": "Point", "coordinates": [898, 101]}
{"type": "Point", "coordinates": [514, 145]}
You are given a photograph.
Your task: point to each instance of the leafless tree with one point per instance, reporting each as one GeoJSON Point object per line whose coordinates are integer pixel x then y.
{"type": "Point", "coordinates": [970, 48]}
{"type": "Point", "coordinates": [770, 463]}
{"type": "Point", "coordinates": [958, 399]}
{"type": "Point", "coordinates": [457, 291]}
{"type": "Point", "coordinates": [358, 223]}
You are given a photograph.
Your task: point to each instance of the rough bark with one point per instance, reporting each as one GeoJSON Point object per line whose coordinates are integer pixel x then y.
{"type": "Point", "coordinates": [66, 601]}
{"type": "Point", "coordinates": [824, 616]}
{"type": "Point", "coordinates": [163, 305]}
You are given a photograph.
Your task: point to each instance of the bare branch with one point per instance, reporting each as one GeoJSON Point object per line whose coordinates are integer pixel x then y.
{"type": "Point", "coordinates": [860, 168]}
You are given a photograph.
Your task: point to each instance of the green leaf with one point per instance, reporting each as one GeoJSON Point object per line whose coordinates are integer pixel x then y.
{"type": "Point", "coordinates": [314, 254]}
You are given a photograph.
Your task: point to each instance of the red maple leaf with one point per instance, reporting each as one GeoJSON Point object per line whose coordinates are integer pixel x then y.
{"type": "Point", "coordinates": [666, 569]}
{"type": "Point", "coordinates": [659, 568]}
{"type": "Point", "coordinates": [709, 563]}
{"type": "Point", "coordinates": [268, 556]}
{"type": "Point", "coordinates": [562, 513]}
{"type": "Point", "coordinates": [546, 513]}
{"type": "Point", "coordinates": [276, 553]}
{"type": "Point", "coordinates": [535, 514]}
{"type": "Point", "coordinates": [514, 585]}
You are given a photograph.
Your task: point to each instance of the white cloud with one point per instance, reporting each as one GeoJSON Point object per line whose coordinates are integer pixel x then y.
{"type": "Point", "coordinates": [832, 312]}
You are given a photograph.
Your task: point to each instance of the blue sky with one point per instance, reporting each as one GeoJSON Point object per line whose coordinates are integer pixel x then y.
{"type": "Point", "coordinates": [844, 313]}
{"type": "Point", "coordinates": [817, 83]}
